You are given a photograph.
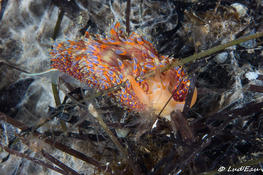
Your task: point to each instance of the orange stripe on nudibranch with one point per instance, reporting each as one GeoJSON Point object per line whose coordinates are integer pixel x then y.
{"type": "Point", "coordinates": [139, 40]}
{"type": "Point", "coordinates": [117, 25]}
{"type": "Point", "coordinates": [113, 32]}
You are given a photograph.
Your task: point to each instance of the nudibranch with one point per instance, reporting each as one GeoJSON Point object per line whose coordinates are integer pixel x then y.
{"type": "Point", "coordinates": [104, 62]}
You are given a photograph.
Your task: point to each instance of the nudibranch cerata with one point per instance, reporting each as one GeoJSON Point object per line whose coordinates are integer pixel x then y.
{"type": "Point", "coordinates": [104, 62]}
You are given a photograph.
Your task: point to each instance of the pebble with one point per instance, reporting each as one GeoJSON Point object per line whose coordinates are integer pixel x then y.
{"type": "Point", "coordinates": [240, 8]}
{"type": "Point", "coordinates": [221, 57]}
{"type": "Point", "coordinates": [251, 75]}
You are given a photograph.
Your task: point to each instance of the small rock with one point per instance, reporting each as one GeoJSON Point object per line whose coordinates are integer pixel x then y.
{"type": "Point", "coordinates": [122, 133]}
{"type": "Point", "coordinates": [221, 57]}
{"type": "Point", "coordinates": [251, 75]}
{"type": "Point", "coordinates": [240, 8]}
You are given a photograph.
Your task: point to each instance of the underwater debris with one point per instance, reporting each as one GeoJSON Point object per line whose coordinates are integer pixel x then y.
{"type": "Point", "coordinates": [206, 28]}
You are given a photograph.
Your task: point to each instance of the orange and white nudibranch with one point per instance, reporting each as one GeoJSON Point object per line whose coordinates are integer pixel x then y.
{"type": "Point", "coordinates": [104, 62]}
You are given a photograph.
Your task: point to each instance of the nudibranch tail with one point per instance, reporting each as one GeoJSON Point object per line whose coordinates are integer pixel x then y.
{"type": "Point", "coordinates": [104, 62]}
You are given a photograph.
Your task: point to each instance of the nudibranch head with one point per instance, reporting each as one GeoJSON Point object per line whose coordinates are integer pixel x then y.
{"type": "Point", "coordinates": [105, 62]}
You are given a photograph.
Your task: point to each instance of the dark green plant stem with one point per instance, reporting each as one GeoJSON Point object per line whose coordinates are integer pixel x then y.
{"type": "Point", "coordinates": [58, 23]}
{"type": "Point", "coordinates": [56, 95]}
{"type": "Point", "coordinates": [219, 48]}
{"type": "Point", "coordinates": [55, 33]}
{"type": "Point", "coordinates": [54, 86]}
{"type": "Point", "coordinates": [58, 102]}
{"type": "Point", "coordinates": [114, 139]}
{"type": "Point", "coordinates": [190, 59]}
{"type": "Point", "coordinates": [105, 92]}
{"type": "Point", "coordinates": [206, 53]}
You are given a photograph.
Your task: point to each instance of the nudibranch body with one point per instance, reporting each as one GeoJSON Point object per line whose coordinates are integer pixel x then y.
{"type": "Point", "coordinates": [105, 62]}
